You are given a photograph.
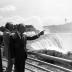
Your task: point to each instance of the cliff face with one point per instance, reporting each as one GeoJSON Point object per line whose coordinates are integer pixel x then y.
{"type": "Point", "coordinates": [46, 42]}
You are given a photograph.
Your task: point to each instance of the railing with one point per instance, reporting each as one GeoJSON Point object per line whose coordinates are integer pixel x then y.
{"type": "Point", "coordinates": [61, 60]}
{"type": "Point", "coordinates": [58, 59]}
{"type": "Point", "coordinates": [44, 56]}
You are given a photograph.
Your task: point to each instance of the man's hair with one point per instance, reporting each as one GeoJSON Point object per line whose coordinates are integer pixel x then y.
{"type": "Point", "coordinates": [2, 28]}
{"type": "Point", "coordinates": [9, 26]}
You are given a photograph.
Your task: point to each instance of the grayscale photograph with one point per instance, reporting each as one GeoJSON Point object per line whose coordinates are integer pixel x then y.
{"type": "Point", "coordinates": [35, 35]}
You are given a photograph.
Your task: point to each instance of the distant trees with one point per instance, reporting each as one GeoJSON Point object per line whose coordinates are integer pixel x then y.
{"type": "Point", "coordinates": [30, 28]}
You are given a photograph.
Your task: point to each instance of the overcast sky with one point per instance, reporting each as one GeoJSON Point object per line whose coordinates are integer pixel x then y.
{"type": "Point", "coordinates": [56, 9]}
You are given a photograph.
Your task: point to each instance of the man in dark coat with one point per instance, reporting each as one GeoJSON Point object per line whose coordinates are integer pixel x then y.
{"type": "Point", "coordinates": [7, 43]}
{"type": "Point", "coordinates": [7, 48]}
{"type": "Point", "coordinates": [20, 41]}
{"type": "Point", "coordinates": [6, 39]}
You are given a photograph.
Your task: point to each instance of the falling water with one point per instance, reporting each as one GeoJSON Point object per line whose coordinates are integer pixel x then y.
{"type": "Point", "coordinates": [58, 42]}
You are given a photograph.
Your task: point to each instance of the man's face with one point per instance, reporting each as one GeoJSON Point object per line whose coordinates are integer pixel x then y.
{"type": "Point", "coordinates": [11, 28]}
{"type": "Point", "coordinates": [21, 29]}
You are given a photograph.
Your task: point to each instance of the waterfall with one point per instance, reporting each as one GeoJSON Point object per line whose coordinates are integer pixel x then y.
{"type": "Point", "coordinates": [48, 42]}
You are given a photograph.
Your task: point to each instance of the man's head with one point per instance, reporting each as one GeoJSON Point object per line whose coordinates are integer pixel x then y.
{"type": "Point", "coordinates": [3, 29]}
{"type": "Point", "coordinates": [21, 28]}
{"type": "Point", "coordinates": [9, 26]}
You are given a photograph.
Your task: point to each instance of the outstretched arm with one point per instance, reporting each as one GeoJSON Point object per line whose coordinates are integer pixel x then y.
{"type": "Point", "coordinates": [35, 36]}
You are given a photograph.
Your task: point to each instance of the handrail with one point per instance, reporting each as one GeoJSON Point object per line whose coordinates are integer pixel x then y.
{"type": "Point", "coordinates": [39, 67]}
{"type": "Point", "coordinates": [53, 65]}
{"type": "Point", "coordinates": [52, 57]}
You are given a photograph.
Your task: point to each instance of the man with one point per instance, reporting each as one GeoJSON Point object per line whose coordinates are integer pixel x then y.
{"type": "Point", "coordinates": [7, 48]}
{"type": "Point", "coordinates": [6, 38]}
{"type": "Point", "coordinates": [20, 41]}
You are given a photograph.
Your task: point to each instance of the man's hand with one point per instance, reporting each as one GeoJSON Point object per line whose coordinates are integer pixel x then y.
{"type": "Point", "coordinates": [42, 32]}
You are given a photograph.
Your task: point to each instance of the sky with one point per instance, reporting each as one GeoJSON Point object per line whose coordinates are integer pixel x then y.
{"type": "Point", "coordinates": [52, 10]}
